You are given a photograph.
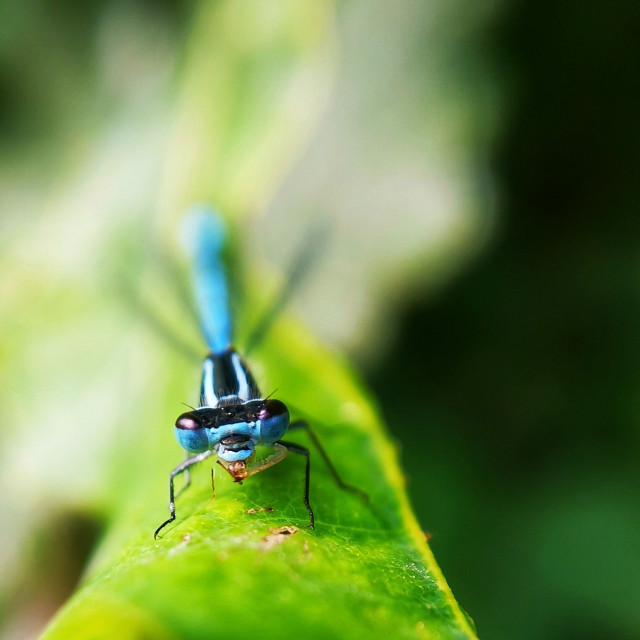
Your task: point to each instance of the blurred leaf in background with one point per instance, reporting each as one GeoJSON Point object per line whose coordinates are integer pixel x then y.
{"type": "Point", "coordinates": [399, 164]}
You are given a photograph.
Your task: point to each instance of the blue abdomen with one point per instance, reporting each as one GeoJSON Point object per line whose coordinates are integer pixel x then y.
{"type": "Point", "coordinates": [204, 234]}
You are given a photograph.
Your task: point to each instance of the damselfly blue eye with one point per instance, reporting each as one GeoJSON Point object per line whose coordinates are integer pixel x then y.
{"type": "Point", "coordinates": [274, 420]}
{"type": "Point", "coordinates": [190, 433]}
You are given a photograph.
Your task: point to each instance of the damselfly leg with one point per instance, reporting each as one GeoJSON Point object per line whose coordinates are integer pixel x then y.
{"type": "Point", "coordinates": [296, 448]}
{"type": "Point", "coordinates": [181, 468]}
{"type": "Point", "coordinates": [303, 424]}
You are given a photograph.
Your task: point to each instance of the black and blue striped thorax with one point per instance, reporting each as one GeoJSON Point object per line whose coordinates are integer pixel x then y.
{"type": "Point", "coordinates": [226, 380]}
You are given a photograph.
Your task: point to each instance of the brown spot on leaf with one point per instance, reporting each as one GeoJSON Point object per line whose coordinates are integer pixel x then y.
{"type": "Point", "coordinates": [266, 509]}
{"type": "Point", "coordinates": [277, 536]}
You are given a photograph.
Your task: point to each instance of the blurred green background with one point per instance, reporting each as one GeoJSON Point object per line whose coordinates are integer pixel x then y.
{"type": "Point", "coordinates": [476, 165]}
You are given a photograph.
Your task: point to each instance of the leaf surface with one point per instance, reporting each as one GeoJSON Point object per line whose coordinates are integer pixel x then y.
{"type": "Point", "coordinates": [245, 564]}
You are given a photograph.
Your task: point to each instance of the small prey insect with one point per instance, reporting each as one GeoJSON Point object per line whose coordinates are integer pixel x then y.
{"type": "Point", "coordinates": [233, 417]}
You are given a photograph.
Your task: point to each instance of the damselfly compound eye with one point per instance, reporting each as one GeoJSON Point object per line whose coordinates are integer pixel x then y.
{"type": "Point", "coordinates": [274, 420]}
{"type": "Point", "coordinates": [272, 408]}
{"type": "Point", "coordinates": [190, 433]}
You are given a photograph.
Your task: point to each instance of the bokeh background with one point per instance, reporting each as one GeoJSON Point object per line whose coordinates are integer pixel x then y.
{"type": "Point", "coordinates": [474, 168]}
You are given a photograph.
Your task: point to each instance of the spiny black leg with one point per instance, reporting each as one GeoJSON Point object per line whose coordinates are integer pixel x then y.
{"type": "Point", "coordinates": [302, 424]}
{"type": "Point", "coordinates": [296, 448]}
{"type": "Point", "coordinates": [187, 477]}
{"type": "Point", "coordinates": [183, 466]}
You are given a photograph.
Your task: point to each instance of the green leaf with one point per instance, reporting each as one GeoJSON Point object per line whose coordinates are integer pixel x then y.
{"type": "Point", "coordinates": [245, 565]}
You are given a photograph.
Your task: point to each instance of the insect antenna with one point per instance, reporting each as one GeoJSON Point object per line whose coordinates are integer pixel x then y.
{"type": "Point", "coordinates": [274, 391]}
